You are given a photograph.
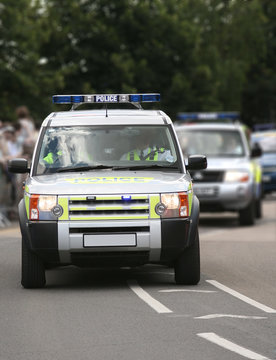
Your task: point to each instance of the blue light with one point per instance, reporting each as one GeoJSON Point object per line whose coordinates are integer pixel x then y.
{"type": "Point", "coordinates": [150, 97]}
{"type": "Point", "coordinates": [135, 98]}
{"type": "Point", "coordinates": [208, 116]}
{"type": "Point", "coordinates": [62, 99]}
{"type": "Point", "coordinates": [233, 115]}
{"type": "Point", "coordinates": [77, 99]}
{"type": "Point", "coordinates": [126, 197]}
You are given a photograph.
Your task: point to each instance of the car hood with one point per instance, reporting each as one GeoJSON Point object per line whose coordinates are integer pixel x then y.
{"type": "Point", "coordinates": [228, 163]}
{"type": "Point", "coordinates": [108, 182]}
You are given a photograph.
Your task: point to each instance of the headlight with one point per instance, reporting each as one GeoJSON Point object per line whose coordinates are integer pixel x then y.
{"type": "Point", "coordinates": [46, 203]}
{"type": "Point", "coordinates": [173, 205]}
{"type": "Point", "coordinates": [171, 201]}
{"type": "Point", "coordinates": [41, 207]}
{"type": "Point", "coordinates": [236, 176]}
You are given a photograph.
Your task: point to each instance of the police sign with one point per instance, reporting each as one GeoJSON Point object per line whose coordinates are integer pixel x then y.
{"type": "Point", "coordinates": [106, 98]}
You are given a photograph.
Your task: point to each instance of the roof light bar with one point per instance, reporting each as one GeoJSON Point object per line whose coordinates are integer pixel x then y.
{"type": "Point", "coordinates": [208, 116]}
{"type": "Point", "coordinates": [105, 98]}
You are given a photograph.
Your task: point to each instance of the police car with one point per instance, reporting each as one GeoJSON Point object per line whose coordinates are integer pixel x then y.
{"type": "Point", "coordinates": [267, 141]}
{"type": "Point", "coordinates": [108, 188]}
{"type": "Point", "coordinates": [233, 180]}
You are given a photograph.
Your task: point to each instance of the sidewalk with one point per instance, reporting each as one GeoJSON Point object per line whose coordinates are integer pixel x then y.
{"type": "Point", "coordinates": [11, 226]}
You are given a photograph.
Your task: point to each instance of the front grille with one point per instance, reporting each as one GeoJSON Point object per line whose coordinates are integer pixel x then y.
{"type": "Point", "coordinates": [207, 176]}
{"type": "Point", "coordinates": [269, 169]}
{"type": "Point", "coordinates": [109, 207]}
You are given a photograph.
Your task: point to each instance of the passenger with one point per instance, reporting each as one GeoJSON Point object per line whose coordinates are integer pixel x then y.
{"type": "Point", "coordinates": [144, 151]}
{"type": "Point", "coordinates": [232, 146]}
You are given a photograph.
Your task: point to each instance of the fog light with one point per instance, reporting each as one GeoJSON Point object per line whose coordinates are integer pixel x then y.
{"type": "Point", "coordinates": [57, 211]}
{"type": "Point", "coordinates": [160, 208]}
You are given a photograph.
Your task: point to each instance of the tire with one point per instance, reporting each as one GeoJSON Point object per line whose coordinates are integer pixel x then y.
{"type": "Point", "coordinates": [258, 209]}
{"type": "Point", "coordinates": [247, 215]}
{"type": "Point", "coordinates": [187, 266]}
{"type": "Point", "coordinates": [33, 271]}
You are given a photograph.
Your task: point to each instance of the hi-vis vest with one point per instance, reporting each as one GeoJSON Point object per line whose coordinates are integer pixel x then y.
{"type": "Point", "coordinates": [50, 158]}
{"type": "Point", "coordinates": [137, 155]}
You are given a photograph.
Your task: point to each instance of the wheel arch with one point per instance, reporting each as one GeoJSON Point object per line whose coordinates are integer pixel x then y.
{"type": "Point", "coordinates": [194, 218]}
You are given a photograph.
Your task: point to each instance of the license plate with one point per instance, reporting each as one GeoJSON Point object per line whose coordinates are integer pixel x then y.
{"type": "Point", "coordinates": [103, 240]}
{"type": "Point", "coordinates": [205, 191]}
{"type": "Point", "coordinates": [266, 178]}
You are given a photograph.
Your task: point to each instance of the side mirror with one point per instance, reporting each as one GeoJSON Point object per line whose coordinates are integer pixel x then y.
{"type": "Point", "coordinates": [197, 162]}
{"type": "Point", "coordinates": [256, 151]}
{"type": "Point", "coordinates": [18, 166]}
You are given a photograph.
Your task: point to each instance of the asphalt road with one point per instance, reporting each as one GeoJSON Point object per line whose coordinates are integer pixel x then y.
{"type": "Point", "coordinates": [140, 313]}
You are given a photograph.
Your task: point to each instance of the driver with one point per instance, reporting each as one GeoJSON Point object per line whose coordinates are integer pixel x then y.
{"type": "Point", "coordinates": [143, 150]}
{"type": "Point", "coordinates": [53, 152]}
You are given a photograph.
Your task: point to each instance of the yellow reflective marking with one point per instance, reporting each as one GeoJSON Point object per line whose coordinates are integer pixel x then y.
{"type": "Point", "coordinates": [256, 169]}
{"type": "Point", "coordinates": [109, 180]}
{"type": "Point", "coordinates": [27, 204]}
{"type": "Point", "coordinates": [74, 198]}
{"type": "Point", "coordinates": [190, 197]}
{"type": "Point", "coordinates": [139, 207]}
{"type": "Point", "coordinates": [108, 197]}
{"type": "Point", "coordinates": [63, 202]}
{"type": "Point", "coordinates": [78, 208]}
{"type": "Point", "coordinates": [27, 188]}
{"type": "Point", "coordinates": [139, 197]}
{"type": "Point", "coordinates": [154, 200]}
{"type": "Point", "coordinates": [258, 174]}
{"type": "Point", "coordinates": [115, 197]}
{"type": "Point", "coordinates": [109, 217]}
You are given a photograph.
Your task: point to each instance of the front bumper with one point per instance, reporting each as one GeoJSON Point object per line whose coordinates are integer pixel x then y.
{"type": "Point", "coordinates": [224, 196]}
{"type": "Point", "coordinates": [62, 243]}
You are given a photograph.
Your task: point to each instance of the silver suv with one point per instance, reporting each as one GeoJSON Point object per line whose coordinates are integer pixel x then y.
{"type": "Point", "coordinates": [108, 188]}
{"type": "Point", "coordinates": [232, 181]}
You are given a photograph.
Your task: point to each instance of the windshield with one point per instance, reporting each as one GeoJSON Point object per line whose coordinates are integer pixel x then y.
{"type": "Point", "coordinates": [266, 139]}
{"type": "Point", "coordinates": [212, 143]}
{"type": "Point", "coordinates": [76, 148]}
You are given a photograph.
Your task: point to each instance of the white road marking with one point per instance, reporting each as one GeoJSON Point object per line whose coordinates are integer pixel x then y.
{"type": "Point", "coordinates": [242, 297]}
{"type": "Point", "coordinates": [187, 290]}
{"type": "Point", "coordinates": [214, 316]}
{"type": "Point", "coordinates": [220, 341]}
{"type": "Point", "coordinates": [143, 295]}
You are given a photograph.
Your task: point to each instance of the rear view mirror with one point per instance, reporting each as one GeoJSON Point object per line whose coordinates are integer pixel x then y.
{"type": "Point", "coordinates": [18, 166]}
{"type": "Point", "coordinates": [197, 162]}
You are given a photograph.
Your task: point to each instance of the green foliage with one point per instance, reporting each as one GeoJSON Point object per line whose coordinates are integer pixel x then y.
{"type": "Point", "coordinates": [203, 55]}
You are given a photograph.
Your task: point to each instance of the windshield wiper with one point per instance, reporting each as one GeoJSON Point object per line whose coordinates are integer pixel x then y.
{"type": "Point", "coordinates": [84, 168]}
{"type": "Point", "coordinates": [142, 167]}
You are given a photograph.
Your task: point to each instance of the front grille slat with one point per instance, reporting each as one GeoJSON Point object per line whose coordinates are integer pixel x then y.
{"type": "Point", "coordinates": [109, 207]}
{"type": "Point", "coordinates": [207, 176]}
